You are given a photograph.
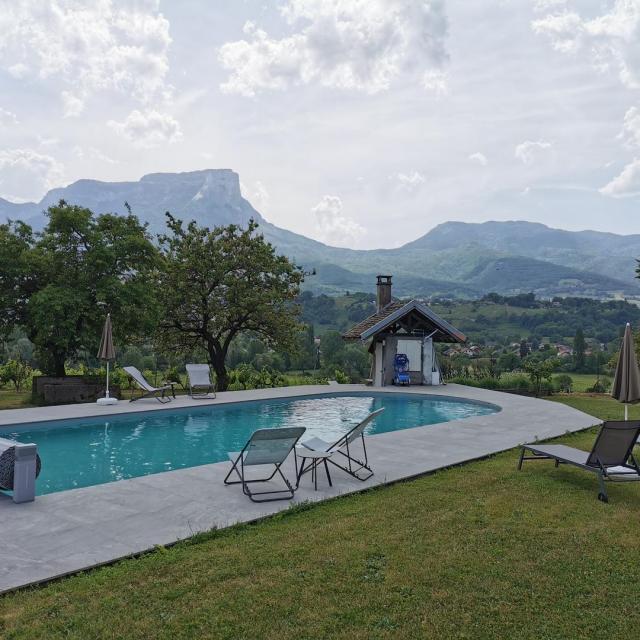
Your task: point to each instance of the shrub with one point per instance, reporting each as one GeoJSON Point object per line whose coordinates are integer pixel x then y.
{"type": "Point", "coordinates": [120, 378]}
{"type": "Point", "coordinates": [506, 382]}
{"type": "Point", "coordinates": [563, 382]}
{"type": "Point", "coordinates": [540, 372]}
{"type": "Point", "coordinates": [16, 372]}
{"type": "Point", "coordinates": [545, 388]}
{"type": "Point", "coordinates": [341, 377]}
{"type": "Point", "coordinates": [597, 387]}
{"type": "Point", "coordinates": [148, 362]}
{"type": "Point", "coordinates": [606, 383]}
{"type": "Point", "coordinates": [515, 382]}
{"type": "Point", "coordinates": [173, 375]}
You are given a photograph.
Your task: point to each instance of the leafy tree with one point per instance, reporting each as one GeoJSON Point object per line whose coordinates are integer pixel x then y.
{"type": "Point", "coordinates": [524, 349]}
{"type": "Point", "coordinates": [221, 283]}
{"type": "Point", "coordinates": [352, 359]}
{"type": "Point", "coordinates": [564, 382]}
{"type": "Point", "coordinates": [579, 347]}
{"type": "Point", "coordinates": [540, 370]}
{"type": "Point", "coordinates": [305, 356]}
{"type": "Point", "coordinates": [15, 372]}
{"type": "Point", "coordinates": [58, 284]}
{"type": "Point", "coordinates": [16, 239]}
{"type": "Point", "coordinates": [508, 361]}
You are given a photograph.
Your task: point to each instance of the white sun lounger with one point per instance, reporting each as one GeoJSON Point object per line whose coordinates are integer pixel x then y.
{"type": "Point", "coordinates": [148, 390]}
{"type": "Point", "coordinates": [266, 447]}
{"type": "Point", "coordinates": [342, 447]}
{"type": "Point", "coordinates": [200, 378]}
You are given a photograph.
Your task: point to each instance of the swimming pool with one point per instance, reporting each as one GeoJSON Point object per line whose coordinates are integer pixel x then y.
{"type": "Point", "coordinates": [90, 451]}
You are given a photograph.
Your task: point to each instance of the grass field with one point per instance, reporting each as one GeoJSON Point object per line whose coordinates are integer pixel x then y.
{"type": "Point", "coordinates": [602, 406]}
{"type": "Point", "coordinates": [10, 399]}
{"type": "Point", "coordinates": [584, 381]}
{"type": "Point", "coordinates": [477, 551]}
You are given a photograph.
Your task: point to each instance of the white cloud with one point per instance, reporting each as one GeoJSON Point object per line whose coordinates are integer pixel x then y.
{"type": "Point", "coordinates": [87, 47]}
{"type": "Point", "coordinates": [436, 80]}
{"type": "Point", "coordinates": [631, 127]}
{"type": "Point", "coordinates": [611, 39]}
{"type": "Point", "coordinates": [333, 227]}
{"type": "Point", "coordinates": [612, 42]}
{"type": "Point", "coordinates": [544, 5]}
{"type": "Point", "coordinates": [72, 105]}
{"type": "Point", "coordinates": [92, 153]}
{"type": "Point", "coordinates": [479, 158]}
{"type": "Point", "coordinates": [527, 151]}
{"type": "Point", "coordinates": [261, 196]}
{"type": "Point", "coordinates": [18, 70]}
{"type": "Point", "coordinates": [25, 174]}
{"type": "Point", "coordinates": [148, 129]}
{"type": "Point", "coordinates": [626, 184]}
{"type": "Point", "coordinates": [43, 141]}
{"type": "Point", "coordinates": [409, 182]}
{"type": "Point", "coordinates": [346, 44]}
{"type": "Point", "coordinates": [258, 196]}
{"type": "Point", "coordinates": [7, 117]}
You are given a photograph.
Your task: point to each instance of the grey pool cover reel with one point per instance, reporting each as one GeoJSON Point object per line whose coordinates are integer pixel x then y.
{"type": "Point", "coordinates": [19, 467]}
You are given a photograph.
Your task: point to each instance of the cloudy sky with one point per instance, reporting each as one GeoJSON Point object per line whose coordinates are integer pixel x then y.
{"type": "Point", "coordinates": [357, 122]}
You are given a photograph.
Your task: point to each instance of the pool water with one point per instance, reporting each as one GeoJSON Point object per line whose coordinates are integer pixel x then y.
{"type": "Point", "coordinates": [91, 451]}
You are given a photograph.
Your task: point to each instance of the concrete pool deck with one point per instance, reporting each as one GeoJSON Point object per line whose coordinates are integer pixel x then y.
{"type": "Point", "coordinates": [65, 532]}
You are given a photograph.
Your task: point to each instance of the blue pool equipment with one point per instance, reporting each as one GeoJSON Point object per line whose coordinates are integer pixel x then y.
{"type": "Point", "coordinates": [401, 369]}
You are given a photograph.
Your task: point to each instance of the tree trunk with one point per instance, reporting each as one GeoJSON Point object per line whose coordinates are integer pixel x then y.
{"type": "Point", "coordinates": [218, 364]}
{"type": "Point", "coordinates": [58, 365]}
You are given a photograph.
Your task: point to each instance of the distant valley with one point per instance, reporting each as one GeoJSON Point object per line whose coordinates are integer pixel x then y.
{"type": "Point", "coordinates": [455, 259]}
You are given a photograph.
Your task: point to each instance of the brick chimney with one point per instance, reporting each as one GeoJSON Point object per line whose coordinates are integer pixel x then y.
{"type": "Point", "coordinates": [384, 291]}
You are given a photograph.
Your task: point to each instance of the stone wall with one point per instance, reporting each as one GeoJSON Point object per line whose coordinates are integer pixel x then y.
{"type": "Point", "coordinates": [69, 389]}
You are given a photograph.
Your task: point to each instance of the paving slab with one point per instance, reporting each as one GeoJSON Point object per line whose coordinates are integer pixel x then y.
{"type": "Point", "coordinates": [62, 533]}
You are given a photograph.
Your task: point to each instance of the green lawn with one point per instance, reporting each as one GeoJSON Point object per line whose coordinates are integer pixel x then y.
{"type": "Point", "coordinates": [584, 381]}
{"type": "Point", "coordinates": [10, 399]}
{"type": "Point", "coordinates": [602, 406]}
{"type": "Point", "coordinates": [477, 551]}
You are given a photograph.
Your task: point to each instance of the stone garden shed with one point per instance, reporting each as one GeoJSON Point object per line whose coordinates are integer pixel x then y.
{"type": "Point", "coordinates": [405, 327]}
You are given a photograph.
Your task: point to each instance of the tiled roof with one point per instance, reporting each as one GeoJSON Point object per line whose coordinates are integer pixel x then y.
{"type": "Point", "coordinates": [355, 332]}
{"type": "Point", "coordinates": [394, 312]}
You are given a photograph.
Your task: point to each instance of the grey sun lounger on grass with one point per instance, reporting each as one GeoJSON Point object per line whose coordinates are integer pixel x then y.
{"type": "Point", "coordinates": [611, 457]}
{"type": "Point", "coordinates": [148, 390]}
{"type": "Point", "coordinates": [344, 448]}
{"type": "Point", "coordinates": [269, 447]}
{"type": "Point", "coordinates": [200, 378]}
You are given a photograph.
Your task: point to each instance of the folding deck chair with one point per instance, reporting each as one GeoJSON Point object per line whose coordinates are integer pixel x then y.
{"type": "Point", "coordinates": [342, 447]}
{"type": "Point", "coordinates": [266, 447]}
{"type": "Point", "coordinates": [200, 378]}
{"type": "Point", "coordinates": [611, 457]}
{"type": "Point", "coordinates": [148, 390]}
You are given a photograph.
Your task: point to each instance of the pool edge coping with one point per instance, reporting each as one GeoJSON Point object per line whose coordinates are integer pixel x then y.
{"type": "Point", "coordinates": [289, 510]}
{"type": "Point", "coordinates": [520, 420]}
{"type": "Point", "coordinates": [185, 402]}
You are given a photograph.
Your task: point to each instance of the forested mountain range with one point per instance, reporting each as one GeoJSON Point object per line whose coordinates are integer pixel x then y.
{"type": "Point", "coordinates": [454, 259]}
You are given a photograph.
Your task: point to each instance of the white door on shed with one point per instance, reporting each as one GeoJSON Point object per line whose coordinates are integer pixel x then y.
{"type": "Point", "coordinates": [413, 350]}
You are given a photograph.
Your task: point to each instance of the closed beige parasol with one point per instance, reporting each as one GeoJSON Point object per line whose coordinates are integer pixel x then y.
{"type": "Point", "coordinates": [107, 352]}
